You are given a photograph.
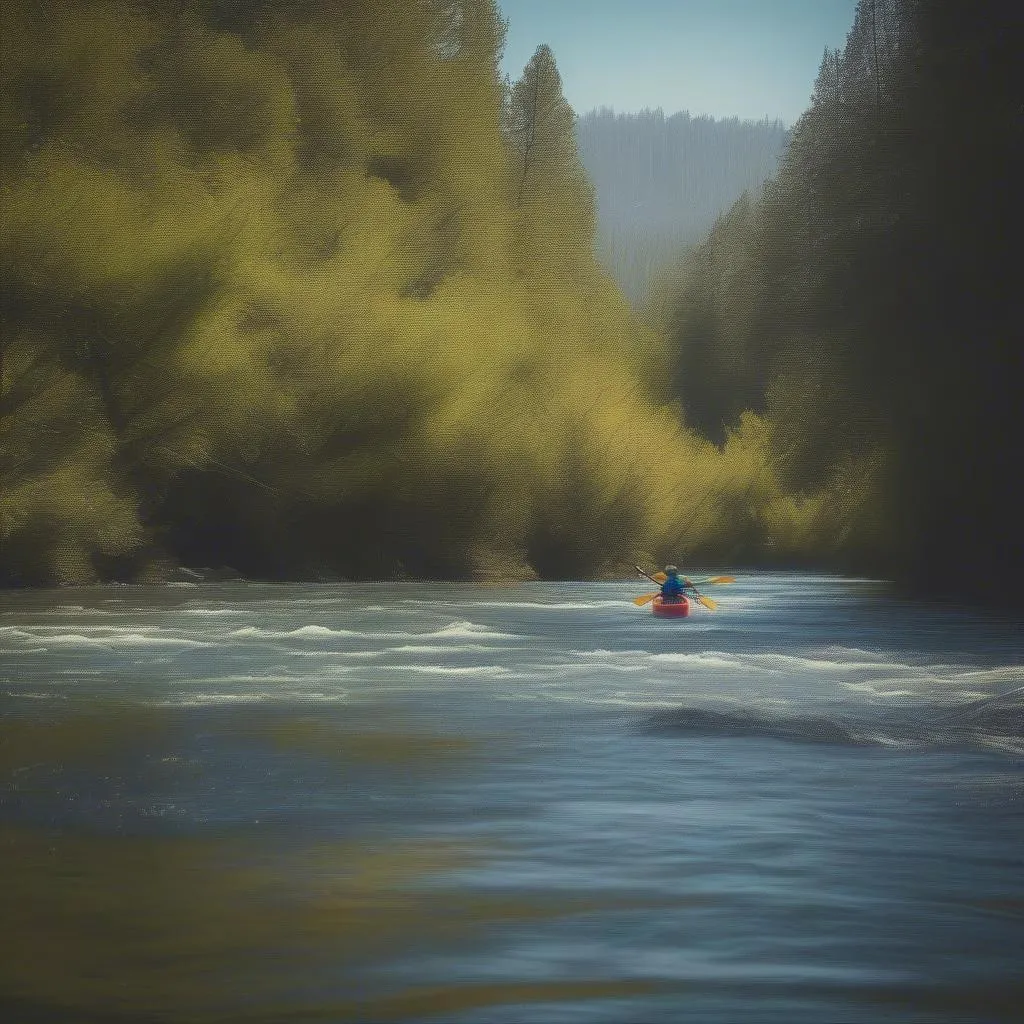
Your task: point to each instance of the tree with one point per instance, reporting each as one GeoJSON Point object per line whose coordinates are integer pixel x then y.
{"type": "Point", "coordinates": [551, 189]}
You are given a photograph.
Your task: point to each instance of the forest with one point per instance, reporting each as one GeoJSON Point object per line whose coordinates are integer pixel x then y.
{"type": "Point", "coordinates": [661, 182]}
{"type": "Point", "coordinates": [306, 290]}
{"type": "Point", "coordinates": [867, 303]}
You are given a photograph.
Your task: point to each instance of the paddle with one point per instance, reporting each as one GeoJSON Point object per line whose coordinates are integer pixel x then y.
{"type": "Point", "coordinates": [660, 577]}
{"type": "Point", "coordinates": [706, 601]}
{"type": "Point", "coordinates": [653, 579]}
{"type": "Point", "coordinates": [647, 598]}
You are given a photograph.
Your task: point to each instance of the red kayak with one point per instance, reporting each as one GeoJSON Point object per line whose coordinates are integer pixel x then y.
{"type": "Point", "coordinates": [671, 609]}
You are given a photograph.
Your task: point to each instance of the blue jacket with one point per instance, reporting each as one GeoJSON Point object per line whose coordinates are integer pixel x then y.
{"type": "Point", "coordinates": [673, 588]}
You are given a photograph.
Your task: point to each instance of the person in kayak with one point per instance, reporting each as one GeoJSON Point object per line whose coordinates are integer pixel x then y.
{"type": "Point", "coordinates": [673, 589]}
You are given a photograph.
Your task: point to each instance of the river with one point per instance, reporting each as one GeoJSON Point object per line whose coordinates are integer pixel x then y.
{"type": "Point", "coordinates": [534, 803]}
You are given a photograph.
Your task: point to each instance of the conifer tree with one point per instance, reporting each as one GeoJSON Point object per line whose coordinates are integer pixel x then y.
{"type": "Point", "coordinates": [551, 190]}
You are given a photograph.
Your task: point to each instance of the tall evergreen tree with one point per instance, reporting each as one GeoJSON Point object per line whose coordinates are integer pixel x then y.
{"type": "Point", "coordinates": [551, 189]}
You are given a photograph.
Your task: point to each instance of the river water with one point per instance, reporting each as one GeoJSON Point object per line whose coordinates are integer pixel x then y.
{"type": "Point", "coordinates": [538, 803]}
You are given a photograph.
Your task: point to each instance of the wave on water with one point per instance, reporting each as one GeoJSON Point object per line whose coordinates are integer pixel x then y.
{"type": "Point", "coordinates": [102, 637]}
{"type": "Point", "coordinates": [542, 605]}
{"type": "Point", "coordinates": [837, 664]}
{"type": "Point", "coordinates": [704, 659]}
{"type": "Point", "coordinates": [996, 722]}
{"type": "Point", "coordinates": [702, 721]}
{"type": "Point", "coordinates": [443, 649]}
{"type": "Point", "coordinates": [71, 609]}
{"type": "Point", "coordinates": [464, 628]}
{"type": "Point", "coordinates": [554, 605]}
{"type": "Point", "coordinates": [545, 672]}
{"type": "Point", "coordinates": [492, 671]}
{"type": "Point", "coordinates": [890, 689]}
{"type": "Point", "coordinates": [879, 672]}
{"type": "Point", "coordinates": [286, 634]}
{"type": "Point", "coordinates": [994, 675]}
{"type": "Point", "coordinates": [260, 697]}
{"type": "Point", "coordinates": [213, 611]}
{"type": "Point", "coordinates": [457, 630]}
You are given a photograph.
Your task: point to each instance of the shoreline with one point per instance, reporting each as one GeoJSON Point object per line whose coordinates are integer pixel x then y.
{"type": "Point", "coordinates": [517, 574]}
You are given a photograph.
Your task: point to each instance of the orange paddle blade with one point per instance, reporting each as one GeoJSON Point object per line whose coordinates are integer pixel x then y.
{"type": "Point", "coordinates": [645, 598]}
{"type": "Point", "coordinates": [706, 601]}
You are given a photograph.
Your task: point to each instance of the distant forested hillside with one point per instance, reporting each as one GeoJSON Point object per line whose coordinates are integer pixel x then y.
{"type": "Point", "coordinates": [661, 182]}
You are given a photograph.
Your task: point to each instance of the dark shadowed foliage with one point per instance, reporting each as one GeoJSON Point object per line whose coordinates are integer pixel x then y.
{"type": "Point", "coordinates": [869, 302]}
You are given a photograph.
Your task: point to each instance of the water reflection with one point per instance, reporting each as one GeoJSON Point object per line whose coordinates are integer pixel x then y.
{"type": "Point", "coordinates": [237, 923]}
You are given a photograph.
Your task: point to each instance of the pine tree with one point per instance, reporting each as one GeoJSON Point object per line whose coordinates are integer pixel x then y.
{"type": "Point", "coordinates": [551, 189]}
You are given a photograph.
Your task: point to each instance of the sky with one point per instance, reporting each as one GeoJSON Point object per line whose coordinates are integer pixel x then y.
{"type": "Point", "coordinates": [728, 58]}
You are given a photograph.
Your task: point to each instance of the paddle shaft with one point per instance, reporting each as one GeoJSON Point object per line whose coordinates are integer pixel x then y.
{"type": "Point", "coordinates": [653, 580]}
{"type": "Point", "coordinates": [707, 602]}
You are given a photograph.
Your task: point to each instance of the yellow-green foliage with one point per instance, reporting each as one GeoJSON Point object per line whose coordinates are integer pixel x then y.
{"type": "Point", "coordinates": [58, 507]}
{"type": "Point", "coordinates": [303, 289]}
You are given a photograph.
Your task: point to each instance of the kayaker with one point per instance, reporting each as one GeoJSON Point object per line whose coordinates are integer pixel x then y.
{"type": "Point", "coordinates": [673, 589]}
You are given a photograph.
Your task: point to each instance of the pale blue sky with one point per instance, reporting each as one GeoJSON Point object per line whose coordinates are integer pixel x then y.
{"type": "Point", "coordinates": [743, 58]}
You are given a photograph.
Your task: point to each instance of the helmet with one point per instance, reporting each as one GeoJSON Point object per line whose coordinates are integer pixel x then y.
{"type": "Point", "coordinates": [671, 570]}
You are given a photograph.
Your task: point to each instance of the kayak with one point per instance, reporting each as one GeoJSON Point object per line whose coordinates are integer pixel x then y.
{"type": "Point", "coordinates": [671, 609]}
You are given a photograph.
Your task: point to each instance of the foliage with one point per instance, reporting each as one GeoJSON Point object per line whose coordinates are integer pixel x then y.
{"type": "Point", "coordinates": [304, 288]}
{"type": "Point", "coordinates": [298, 288]}
{"type": "Point", "coordinates": [865, 304]}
